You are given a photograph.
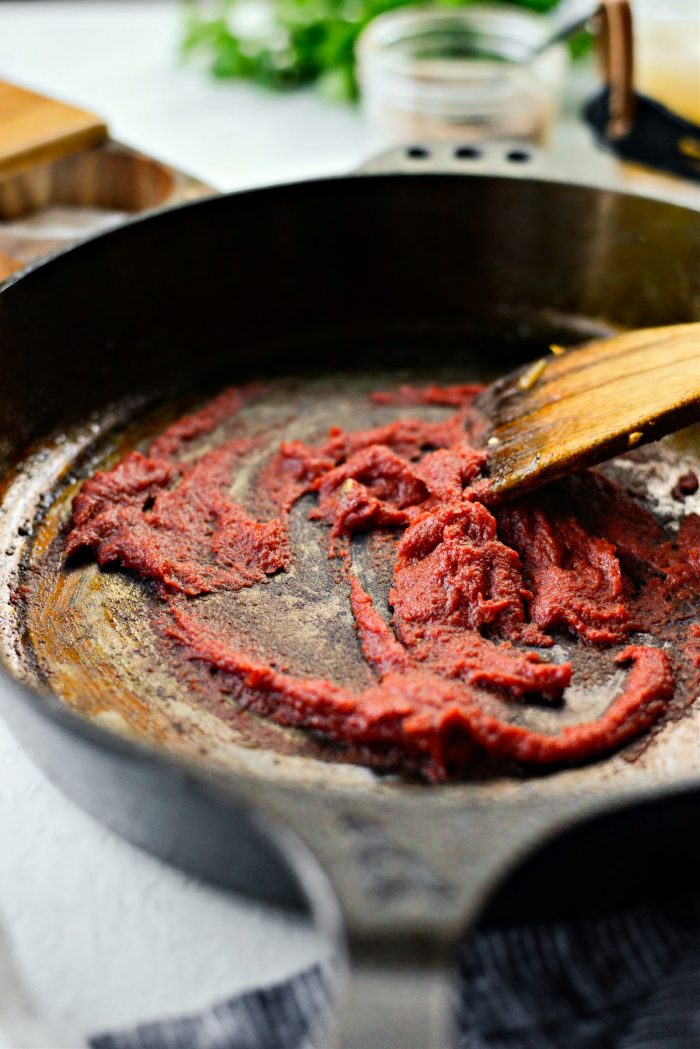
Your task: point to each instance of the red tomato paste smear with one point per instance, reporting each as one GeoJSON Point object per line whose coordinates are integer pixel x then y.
{"type": "Point", "coordinates": [476, 586]}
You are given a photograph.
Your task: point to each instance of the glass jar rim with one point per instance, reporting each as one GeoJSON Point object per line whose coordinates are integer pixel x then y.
{"type": "Point", "coordinates": [382, 38]}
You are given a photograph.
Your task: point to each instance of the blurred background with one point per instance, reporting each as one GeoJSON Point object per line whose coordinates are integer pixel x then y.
{"type": "Point", "coordinates": [244, 90]}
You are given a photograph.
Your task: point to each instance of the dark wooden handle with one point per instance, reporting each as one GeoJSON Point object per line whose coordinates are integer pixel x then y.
{"type": "Point", "coordinates": [617, 55]}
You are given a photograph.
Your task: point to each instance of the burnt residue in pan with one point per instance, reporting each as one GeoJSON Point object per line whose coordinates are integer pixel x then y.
{"type": "Point", "coordinates": [97, 638]}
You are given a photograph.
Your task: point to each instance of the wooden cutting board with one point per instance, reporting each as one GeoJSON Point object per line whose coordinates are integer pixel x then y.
{"type": "Point", "coordinates": [62, 177]}
{"type": "Point", "coordinates": [35, 130]}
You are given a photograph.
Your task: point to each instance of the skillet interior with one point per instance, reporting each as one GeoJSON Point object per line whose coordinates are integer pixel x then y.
{"type": "Point", "coordinates": [424, 266]}
{"type": "Point", "coordinates": [95, 637]}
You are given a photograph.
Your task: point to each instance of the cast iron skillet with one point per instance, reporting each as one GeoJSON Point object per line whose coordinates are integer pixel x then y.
{"type": "Point", "coordinates": [432, 266]}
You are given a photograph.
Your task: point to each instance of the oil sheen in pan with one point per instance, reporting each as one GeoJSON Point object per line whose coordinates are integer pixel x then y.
{"type": "Point", "coordinates": [91, 637]}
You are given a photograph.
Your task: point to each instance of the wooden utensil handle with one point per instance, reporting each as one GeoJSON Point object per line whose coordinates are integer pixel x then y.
{"type": "Point", "coordinates": [617, 56]}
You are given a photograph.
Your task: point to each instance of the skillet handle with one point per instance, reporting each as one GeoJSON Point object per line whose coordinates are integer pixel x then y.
{"type": "Point", "coordinates": [506, 158]}
{"type": "Point", "coordinates": [617, 58]}
{"type": "Point", "coordinates": [399, 993]}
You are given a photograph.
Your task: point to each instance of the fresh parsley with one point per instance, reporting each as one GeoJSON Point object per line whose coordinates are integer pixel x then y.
{"type": "Point", "coordinates": [296, 42]}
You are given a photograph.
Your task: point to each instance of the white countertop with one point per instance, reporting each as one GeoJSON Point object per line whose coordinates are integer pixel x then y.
{"type": "Point", "coordinates": [103, 934]}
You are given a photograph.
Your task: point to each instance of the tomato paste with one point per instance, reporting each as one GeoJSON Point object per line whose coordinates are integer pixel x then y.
{"type": "Point", "coordinates": [480, 590]}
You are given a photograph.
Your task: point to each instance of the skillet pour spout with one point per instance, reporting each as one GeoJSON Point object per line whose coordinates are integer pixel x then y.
{"type": "Point", "coordinates": [388, 270]}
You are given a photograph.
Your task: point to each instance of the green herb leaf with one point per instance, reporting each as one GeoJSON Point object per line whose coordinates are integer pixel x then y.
{"type": "Point", "coordinates": [308, 42]}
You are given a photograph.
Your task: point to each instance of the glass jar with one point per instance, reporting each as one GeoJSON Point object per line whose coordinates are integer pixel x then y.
{"type": "Point", "coordinates": [466, 74]}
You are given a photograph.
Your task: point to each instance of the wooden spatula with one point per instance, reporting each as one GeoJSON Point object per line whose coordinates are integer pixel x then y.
{"type": "Point", "coordinates": [580, 407]}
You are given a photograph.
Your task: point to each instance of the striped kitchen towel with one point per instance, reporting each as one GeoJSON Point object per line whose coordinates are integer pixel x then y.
{"type": "Point", "coordinates": [625, 981]}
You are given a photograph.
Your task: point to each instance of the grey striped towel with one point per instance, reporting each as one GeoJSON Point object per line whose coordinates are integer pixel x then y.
{"type": "Point", "coordinates": [626, 981]}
